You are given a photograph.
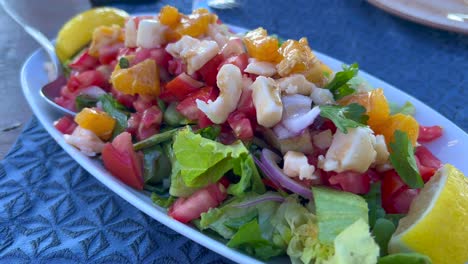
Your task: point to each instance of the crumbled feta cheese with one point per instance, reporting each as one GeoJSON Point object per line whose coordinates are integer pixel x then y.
{"type": "Point", "coordinates": [261, 68]}
{"type": "Point", "coordinates": [323, 139]}
{"type": "Point", "coordinates": [352, 151]}
{"type": "Point", "coordinates": [381, 149]}
{"type": "Point", "coordinates": [130, 34]}
{"type": "Point", "coordinates": [229, 81]}
{"type": "Point", "coordinates": [85, 140]}
{"type": "Point", "coordinates": [150, 34]}
{"type": "Point", "coordinates": [321, 96]}
{"type": "Point", "coordinates": [219, 33]}
{"type": "Point", "coordinates": [296, 84]}
{"type": "Point", "coordinates": [296, 165]}
{"type": "Point", "coordinates": [267, 101]}
{"type": "Point", "coordinates": [193, 52]}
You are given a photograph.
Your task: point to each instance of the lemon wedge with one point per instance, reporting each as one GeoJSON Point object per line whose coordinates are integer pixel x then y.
{"type": "Point", "coordinates": [437, 222]}
{"type": "Point", "coordinates": [78, 31]}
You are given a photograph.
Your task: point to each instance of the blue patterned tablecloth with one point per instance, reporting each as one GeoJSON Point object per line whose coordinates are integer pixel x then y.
{"type": "Point", "coordinates": [52, 211]}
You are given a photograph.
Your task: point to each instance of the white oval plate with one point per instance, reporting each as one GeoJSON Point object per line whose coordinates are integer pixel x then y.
{"type": "Point", "coordinates": [451, 148]}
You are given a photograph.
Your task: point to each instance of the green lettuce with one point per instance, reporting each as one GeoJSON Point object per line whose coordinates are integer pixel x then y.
{"type": "Point", "coordinates": [202, 161]}
{"type": "Point", "coordinates": [354, 245]}
{"type": "Point", "coordinates": [336, 210]}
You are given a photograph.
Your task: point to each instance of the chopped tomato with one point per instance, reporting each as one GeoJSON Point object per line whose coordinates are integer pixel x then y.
{"type": "Point", "coordinates": [143, 102]}
{"type": "Point", "coordinates": [241, 61]}
{"type": "Point", "coordinates": [246, 105]}
{"type": "Point", "coordinates": [209, 71]}
{"type": "Point", "coordinates": [109, 53]}
{"type": "Point", "coordinates": [187, 209]}
{"type": "Point", "coordinates": [349, 181]}
{"type": "Point", "coordinates": [203, 120]}
{"type": "Point", "coordinates": [429, 133]}
{"type": "Point", "coordinates": [426, 172]}
{"type": "Point", "coordinates": [188, 106]}
{"type": "Point", "coordinates": [240, 125]}
{"type": "Point", "coordinates": [66, 125]}
{"type": "Point", "coordinates": [126, 51]}
{"type": "Point", "coordinates": [125, 99]}
{"type": "Point", "coordinates": [176, 67]}
{"type": "Point", "coordinates": [426, 158]}
{"type": "Point", "coordinates": [396, 195]}
{"type": "Point", "coordinates": [86, 79]}
{"type": "Point", "coordinates": [159, 55]}
{"type": "Point", "coordinates": [122, 161]}
{"type": "Point", "coordinates": [181, 86]}
{"type": "Point", "coordinates": [84, 62]}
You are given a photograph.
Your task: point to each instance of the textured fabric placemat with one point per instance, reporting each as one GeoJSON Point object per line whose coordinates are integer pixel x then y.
{"type": "Point", "coordinates": [52, 211]}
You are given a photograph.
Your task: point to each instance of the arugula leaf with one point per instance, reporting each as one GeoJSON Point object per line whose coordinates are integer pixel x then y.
{"type": "Point", "coordinates": [83, 100]}
{"type": "Point", "coordinates": [124, 63]}
{"type": "Point", "coordinates": [163, 201]}
{"type": "Point", "coordinates": [374, 203]}
{"type": "Point", "coordinates": [382, 232]}
{"type": "Point", "coordinates": [407, 109]}
{"type": "Point", "coordinates": [117, 111]}
{"type": "Point", "coordinates": [339, 86]}
{"type": "Point", "coordinates": [402, 159]}
{"type": "Point", "coordinates": [352, 115]}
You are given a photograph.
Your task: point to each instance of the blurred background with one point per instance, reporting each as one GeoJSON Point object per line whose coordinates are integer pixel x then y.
{"type": "Point", "coordinates": [429, 63]}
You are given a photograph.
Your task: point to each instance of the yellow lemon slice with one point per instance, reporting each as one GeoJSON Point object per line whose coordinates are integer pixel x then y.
{"type": "Point", "coordinates": [78, 31]}
{"type": "Point", "coordinates": [437, 222]}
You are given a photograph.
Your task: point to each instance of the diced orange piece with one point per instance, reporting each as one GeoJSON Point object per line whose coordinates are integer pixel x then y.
{"type": "Point", "coordinates": [142, 78]}
{"type": "Point", "coordinates": [299, 58]}
{"type": "Point", "coordinates": [261, 46]}
{"type": "Point", "coordinates": [104, 36]}
{"type": "Point", "coordinates": [196, 24]}
{"type": "Point", "coordinates": [405, 123]}
{"type": "Point", "coordinates": [100, 123]}
{"type": "Point", "coordinates": [169, 15]}
{"type": "Point", "coordinates": [375, 103]}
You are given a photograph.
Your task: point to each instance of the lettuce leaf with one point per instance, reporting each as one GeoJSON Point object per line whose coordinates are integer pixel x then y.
{"type": "Point", "coordinates": [203, 161]}
{"type": "Point", "coordinates": [354, 245]}
{"type": "Point", "coordinates": [336, 210]}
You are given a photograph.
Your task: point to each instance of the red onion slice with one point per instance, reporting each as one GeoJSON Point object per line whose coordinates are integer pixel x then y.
{"type": "Point", "coordinates": [260, 199]}
{"type": "Point", "coordinates": [270, 168]}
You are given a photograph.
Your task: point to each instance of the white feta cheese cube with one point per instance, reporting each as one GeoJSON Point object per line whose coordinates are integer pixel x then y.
{"type": "Point", "coordinates": [296, 165]}
{"type": "Point", "coordinates": [150, 34]}
{"type": "Point", "coordinates": [353, 151]}
{"type": "Point", "coordinates": [267, 101]}
{"type": "Point", "coordinates": [296, 84]}
{"type": "Point", "coordinates": [261, 68]}
{"type": "Point", "coordinates": [130, 34]}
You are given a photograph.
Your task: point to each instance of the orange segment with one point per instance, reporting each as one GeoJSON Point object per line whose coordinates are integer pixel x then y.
{"type": "Point", "coordinates": [169, 15]}
{"type": "Point", "coordinates": [299, 58]}
{"type": "Point", "coordinates": [142, 78]}
{"type": "Point", "coordinates": [261, 46]}
{"type": "Point", "coordinates": [100, 123]}
{"type": "Point", "coordinates": [195, 24]}
{"type": "Point", "coordinates": [405, 123]}
{"type": "Point", "coordinates": [376, 104]}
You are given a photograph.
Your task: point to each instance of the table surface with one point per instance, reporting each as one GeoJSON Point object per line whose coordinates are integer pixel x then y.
{"type": "Point", "coordinates": [85, 222]}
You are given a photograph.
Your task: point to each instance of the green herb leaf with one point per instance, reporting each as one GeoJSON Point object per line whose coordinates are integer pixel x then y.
{"type": "Point", "coordinates": [156, 165]}
{"type": "Point", "coordinates": [124, 63]}
{"type": "Point", "coordinates": [163, 201]}
{"type": "Point", "coordinates": [352, 115]}
{"type": "Point", "coordinates": [83, 101]}
{"type": "Point", "coordinates": [402, 158]}
{"type": "Point", "coordinates": [117, 111]}
{"type": "Point", "coordinates": [407, 109]}
{"type": "Point", "coordinates": [339, 86]}
{"type": "Point", "coordinates": [395, 218]}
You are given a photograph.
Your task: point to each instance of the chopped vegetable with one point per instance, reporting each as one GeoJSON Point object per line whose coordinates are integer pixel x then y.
{"type": "Point", "coordinates": [406, 258]}
{"type": "Point", "coordinates": [339, 85]}
{"type": "Point", "coordinates": [117, 111]}
{"type": "Point", "coordinates": [345, 116]}
{"type": "Point", "coordinates": [85, 101]}
{"type": "Point", "coordinates": [402, 158]}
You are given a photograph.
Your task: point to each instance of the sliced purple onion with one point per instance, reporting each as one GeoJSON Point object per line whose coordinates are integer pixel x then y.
{"type": "Point", "coordinates": [282, 132]}
{"type": "Point", "coordinates": [299, 123]}
{"type": "Point", "coordinates": [260, 199]}
{"type": "Point", "coordinates": [270, 168]}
